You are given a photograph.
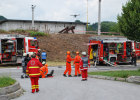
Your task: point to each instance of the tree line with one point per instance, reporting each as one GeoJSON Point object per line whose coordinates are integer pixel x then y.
{"type": "Point", "coordinates": [128, 22]}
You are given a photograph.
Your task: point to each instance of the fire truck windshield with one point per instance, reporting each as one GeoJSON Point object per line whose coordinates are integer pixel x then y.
{"type": "Point", "coordinates": [34, 43]}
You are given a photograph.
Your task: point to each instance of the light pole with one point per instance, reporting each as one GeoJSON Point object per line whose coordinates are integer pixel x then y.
{"type": "Point", "coordinates": [99, 18]}
{"type": "Point", "coordinates": [33, 7]}
{"type": "Point", "coordinates": [87, 14]}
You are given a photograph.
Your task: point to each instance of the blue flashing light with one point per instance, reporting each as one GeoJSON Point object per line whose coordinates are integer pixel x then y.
{"type": "Point", "coordinates": [34, 37]}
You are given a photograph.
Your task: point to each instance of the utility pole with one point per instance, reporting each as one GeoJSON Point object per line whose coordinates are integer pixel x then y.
{"type": "Point", "coordinates": [99, 18]}
{"type": "Point", "coordinates": [87, 14]}
{"type": "Point", "coordinates": [33, 7]}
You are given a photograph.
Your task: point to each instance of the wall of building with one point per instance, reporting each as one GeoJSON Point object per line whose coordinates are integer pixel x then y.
{"type": "Point", "coordinates": [43, 27]}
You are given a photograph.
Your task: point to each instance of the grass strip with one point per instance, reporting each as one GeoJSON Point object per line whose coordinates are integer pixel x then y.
{"type": "Point", "coordinates": [6, 81]}
{"type": "Point", "coordinates": [56, 63]}
{"type": "Point", "coordinates": [121, 74]}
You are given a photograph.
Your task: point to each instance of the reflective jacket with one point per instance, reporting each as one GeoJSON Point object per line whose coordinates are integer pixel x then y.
{"type": "Point", "coordinates": [69, 59]}
{"type": "Point", "coordinates": [44, 69]}
{"type": "Point", "coordinates": [77, 59]}
{"type": "Point", "coordinates": [33, 68]}
{"type": "Point", "coordinates": [84, 63]}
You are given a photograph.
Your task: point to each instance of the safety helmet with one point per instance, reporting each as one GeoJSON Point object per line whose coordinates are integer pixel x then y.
{"type": "Point", "coordinates": [43, 62]}
{"type": "Point", "coordinates": [39, 49]}
{"type": "Point", "coordinates": [84, 53]}
{"type": "Point", "coordinates": [134, 50]}
{"type": "Point", "coordinates": [77, 52]}
{"type": "Point", "coordinates": [25, 54]}
{"type": "Point", "coordinates": [31, 53]}
{"type": "Point", "coordinates": [68, 52]}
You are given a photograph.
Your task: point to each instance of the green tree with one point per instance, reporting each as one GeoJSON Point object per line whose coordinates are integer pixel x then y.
{"type": "Point", "coordinates": [78, 21]}
{"type": "Point", "coordinates": [129, 20]}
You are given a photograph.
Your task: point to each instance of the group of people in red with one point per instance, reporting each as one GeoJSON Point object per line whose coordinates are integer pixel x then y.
{"type": "Point", "coordinates": [35, 68]}
{"type": "Point", "coordinates": [81, 63]}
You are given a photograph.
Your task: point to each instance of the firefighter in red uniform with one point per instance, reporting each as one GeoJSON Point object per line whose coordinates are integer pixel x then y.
{"type": "Point", "coordinates": [68, 65]}
{"type": "Point", "coordinates": [84, 63]}
{"type": "Point", "coordinates": [33, 70]}
{"type": "Point", "coordinates": [77, 64]}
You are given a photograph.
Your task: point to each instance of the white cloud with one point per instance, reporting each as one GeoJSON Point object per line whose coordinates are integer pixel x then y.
{"type": "Point", "coordinates": [60, 10]}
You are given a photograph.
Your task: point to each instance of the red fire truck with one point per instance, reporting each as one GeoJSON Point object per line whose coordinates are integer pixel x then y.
{"type": "Point", "coordinates": [12, 47]}
{"type": "Point", "coordinates": [111, 50]}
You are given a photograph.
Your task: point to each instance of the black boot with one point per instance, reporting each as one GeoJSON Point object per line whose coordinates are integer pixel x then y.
{"type": "Point", "coordinates": [70, 76]}
{"type": "Point", "coordinates": [22, 76]}
{"type": "Point", "coordinates": [79, 75]}
{"type": "Point", "coordinates": [26, 76]}
{"type": "Point", "coordinates": [64, 75]}
{"type": "Point", "coordinates": [75, 75]}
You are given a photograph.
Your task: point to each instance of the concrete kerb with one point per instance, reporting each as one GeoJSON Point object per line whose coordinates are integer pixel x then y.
{"type": "Point", "coordinates": [131, 79]}
{"type": "Point", "coordinates": [11, 92]}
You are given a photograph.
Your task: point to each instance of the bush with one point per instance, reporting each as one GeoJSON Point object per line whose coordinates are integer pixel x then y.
{"type": "Point", "coordinates": [33, 33]}
{"type": "Point", "coordinates": [18, 31]}
{"type": "Point", "coordinates": [3, 31]}
{"type": "Point", "coordinates": [6, 81]}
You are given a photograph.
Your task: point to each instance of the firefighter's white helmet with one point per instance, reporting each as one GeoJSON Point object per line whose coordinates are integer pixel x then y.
{"type": "Point", "coordinates": [25, 54]}
{"type": "Point", "coordinates": [43, 62]}
{"type": "Point", "coordinates": [31, 53]}
{"type": "Point", "coordinates": [84, 53]}
{"type": "Point", "coordinates": [39, 49]}
{"type": "Point", "coordinates": [134, 50]}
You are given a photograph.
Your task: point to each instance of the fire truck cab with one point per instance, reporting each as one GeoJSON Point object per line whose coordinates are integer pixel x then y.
{"type": "Point", "coordinates": [12, 47]}
{"type": "Point", "coordinates": [110, 50]}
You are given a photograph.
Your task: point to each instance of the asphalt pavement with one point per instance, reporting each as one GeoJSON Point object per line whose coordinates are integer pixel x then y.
{"type": "Point", "coordinates": [72, 88]}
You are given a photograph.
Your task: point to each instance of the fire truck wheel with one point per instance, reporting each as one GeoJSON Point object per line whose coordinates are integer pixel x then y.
{"type": "Point", "coordinates": [100, 63]}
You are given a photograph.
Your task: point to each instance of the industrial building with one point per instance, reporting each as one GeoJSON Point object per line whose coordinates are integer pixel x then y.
{"type": "Point", "coordinates": [43, 26]}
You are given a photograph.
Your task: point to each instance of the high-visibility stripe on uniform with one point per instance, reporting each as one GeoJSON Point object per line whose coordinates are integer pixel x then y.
{"type": "Point", "coordinates": [34, 67]}
{"type": "Point", "coordinates": [27, 71]}
{"type": "Point", "coordinates": [33, 86]}
{"type": "Point", "coordinates": [83, 78]}
{"type": "Point", "coordinates": [34, 74]}
{"type": "Point", "coordinates": [36, 86]}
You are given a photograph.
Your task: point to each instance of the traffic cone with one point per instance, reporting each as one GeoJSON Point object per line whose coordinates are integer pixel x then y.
{"type": "Point", "coordinates": [115, 64]}
{"type": "Point", "coordinates": [17, 67]}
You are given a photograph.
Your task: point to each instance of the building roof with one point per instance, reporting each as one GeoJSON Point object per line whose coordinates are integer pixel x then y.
{"type": "Point", "coordinates": [37, 21]}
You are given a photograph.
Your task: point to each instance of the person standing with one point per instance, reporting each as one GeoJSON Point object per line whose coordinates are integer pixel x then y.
{"type": "Point", "coordinates": [23, 66]}
{"type": "Point", "coordinates": [77, 64]}
{"type": "Point", "coordinates": [68, 65]}
{"type": "Point", "coordinates": [44, 56]}
{"type": "Point", "coordinates": [134, 58]}
{"type": "Point", "coordinates": [33, 70]}
{"type": "Point", "coordinates": [84, 63]}
{"type": "Point", "coordinates": [95, 56]}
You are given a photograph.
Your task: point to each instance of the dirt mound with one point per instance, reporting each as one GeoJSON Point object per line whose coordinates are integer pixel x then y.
{"type": "Point", "coordinates": [56, 45]}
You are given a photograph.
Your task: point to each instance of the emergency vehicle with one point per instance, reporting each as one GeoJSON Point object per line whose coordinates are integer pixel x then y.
{"type": "Point", "coordinates": [12, 47]}
{"type": "Point", "coordinates": [112, 50]}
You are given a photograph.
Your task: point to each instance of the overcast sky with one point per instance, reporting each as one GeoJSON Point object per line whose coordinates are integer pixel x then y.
{"type": "Point", "coordinates": [60, 10]}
